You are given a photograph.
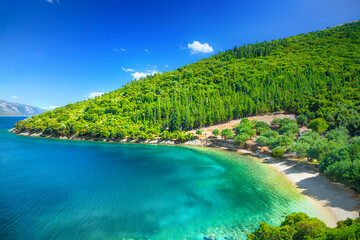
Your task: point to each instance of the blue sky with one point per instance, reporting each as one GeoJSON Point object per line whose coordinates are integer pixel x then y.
{"type": "Point", "coordinates": [54, 52]}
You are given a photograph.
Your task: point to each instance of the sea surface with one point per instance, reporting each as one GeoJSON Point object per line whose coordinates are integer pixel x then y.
{"type": "Point", "coordinates": [63, 189]}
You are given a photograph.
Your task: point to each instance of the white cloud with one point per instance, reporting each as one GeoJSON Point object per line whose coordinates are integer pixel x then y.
{"type": "Point", "coordinates": [138, 75]}
{"type": "Point", "coordinates": [147, 51]}
{"type": "Point", "coordinates": [15, 97]}
{"type": "Point", "coordinates": [119, 49]}
{"type": "Point", "coordinates": [52, 1]}
{"type": "Point", "coordinates": [197, 47]}
{"type": "Point", "coordinates": [93, 94]}
{"type": "Point", "coordinates": [49, 107]}
{"type": "Point", "coordinates": [127, 69]}
{"type": "Point", "coordinates": [182, 47]}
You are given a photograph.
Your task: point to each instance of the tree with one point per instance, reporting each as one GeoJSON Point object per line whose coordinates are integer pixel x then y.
{"type": "Point", "coordinates": [261, 127]}
{"type": "Point", "coordinates": [278, 152]}
{"type": "Point", "coordinates": [216, 132]}
{"type": "Point", "coordinates": [302, 119]}
{"type": "Point", "coordinates": [240, 139]}
{"type": "Point", "coordinates": [319, 125]}
{"type": "Point", "coordinates": [227, 133]}
{"type": "Point", "coordinates": [289, 129]}
{"type": "Point", "coordinates": [301, 149]}
{"type": "Point", "coordinates": [198, 132]}
{"type": "Point", "coordinates": [262, 141]}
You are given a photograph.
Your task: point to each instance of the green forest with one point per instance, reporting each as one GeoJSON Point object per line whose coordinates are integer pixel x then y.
{"type": "Point", "coordinates": [313, 74]}
{"type": "Point", "coordinates": [301, 226]}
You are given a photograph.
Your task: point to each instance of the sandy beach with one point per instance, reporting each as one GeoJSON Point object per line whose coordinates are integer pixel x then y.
{"type": "Point", "coordinates": [337, 201]}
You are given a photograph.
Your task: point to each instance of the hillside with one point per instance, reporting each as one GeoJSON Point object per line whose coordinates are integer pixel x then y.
{"type": "Point", "coordinates": [311, 74]}
{"type": "Point", "coordinates": [17, 109]}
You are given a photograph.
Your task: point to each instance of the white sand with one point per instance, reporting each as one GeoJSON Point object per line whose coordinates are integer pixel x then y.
{"type": "Point", "coordinates": [337, 201]}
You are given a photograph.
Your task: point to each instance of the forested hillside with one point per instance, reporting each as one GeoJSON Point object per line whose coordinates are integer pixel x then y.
{"type": "Point", "coordinates": [313, 74]}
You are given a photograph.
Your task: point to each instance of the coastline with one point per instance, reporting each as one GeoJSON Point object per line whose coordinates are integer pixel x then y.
{"type": "Point", "coordinates": [337, 201]}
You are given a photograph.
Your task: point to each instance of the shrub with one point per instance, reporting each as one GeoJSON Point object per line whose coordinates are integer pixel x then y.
{"type": "Point", "coordinates": [286, 121]}
{"type": "Point", "coordinates": [198, 132]}
{"type": "Point", "coordinates": [302, 119]}
{"type": "Point", "coordinates": [278, 152]}
{"type": "Point", "coordinates": [240, 139]}
{"type": "Point", "coordinates": [276, 121]}
{"type": "Point", "coordinates": [262, 127]}
{"type": "Point", "coordinates": [289, 129]}
{"type": "Point", "coordinates": [262, 141]}
{"type": "Point", "coordinates": [227, 133]}
{"type": "Point", "coordinates": [300, 148]}
{"type": "Point", "coordinates": [319, 125]}
{"type": "Point", "coordinates": [270, 134]}
{"type": "Point", "coordinates": [216, 132]}
{"type": "Point", "coordinates": [245, 129]}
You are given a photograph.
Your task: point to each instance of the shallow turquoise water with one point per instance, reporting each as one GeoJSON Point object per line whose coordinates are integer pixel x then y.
{"type": "Point", "coordinates": [59, 189]}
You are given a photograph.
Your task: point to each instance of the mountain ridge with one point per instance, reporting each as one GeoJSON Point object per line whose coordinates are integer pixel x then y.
{"type": "Point", "coordinates": [17, 109]}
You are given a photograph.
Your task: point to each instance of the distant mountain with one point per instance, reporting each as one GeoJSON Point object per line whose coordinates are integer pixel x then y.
{"type": "Point", "coordinates": [17, 109]}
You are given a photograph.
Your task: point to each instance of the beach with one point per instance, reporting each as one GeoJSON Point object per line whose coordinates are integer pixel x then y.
{"type": "Point", "coordinates": [337, 201]}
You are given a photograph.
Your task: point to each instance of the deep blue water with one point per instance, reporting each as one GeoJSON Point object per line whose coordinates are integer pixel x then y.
{"type": "Point", "coordinates": [61, 189]}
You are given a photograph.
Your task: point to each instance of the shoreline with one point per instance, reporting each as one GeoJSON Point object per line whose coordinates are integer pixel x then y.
{"type": "Point", "coordinates": [337, 201]}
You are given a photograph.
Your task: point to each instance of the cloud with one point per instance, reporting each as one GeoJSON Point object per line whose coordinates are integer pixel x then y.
{"type": "Point", "coordinates": [197, 47]}
{"type": "Point", "coordinates": [15, 97]}
{"type": "Point", "coordinates": [147, 51]}
{"type": "Point", "coordinates": [127, 69]}
{"type": "Point", "coordinates": [49, 107]}
{"type": "Point", "coordinates": [139, 75]}
{"type": "Point", "coordinates": [53, 1]}
{"type": "Point", "coordinates": [93, 94]}
{"type": "Point", "coordinates": [182, 47]}
{"type": "Point", "coordinates": [119, 49]}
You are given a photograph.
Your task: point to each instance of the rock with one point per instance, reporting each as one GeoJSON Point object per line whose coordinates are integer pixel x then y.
{"type": "Point", "coordinates": [211, 236]}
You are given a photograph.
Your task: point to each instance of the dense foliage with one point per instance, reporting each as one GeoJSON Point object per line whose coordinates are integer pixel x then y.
{"type": "Point", "coordinates": [316, 75]}
{"type": "Point", "coordinates": [301, 226]}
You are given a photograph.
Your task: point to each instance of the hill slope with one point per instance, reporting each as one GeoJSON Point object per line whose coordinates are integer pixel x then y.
{"type": "Point", "coordinates": [17, 109]}
{"type": "Point", "coordinates": [310, 74]}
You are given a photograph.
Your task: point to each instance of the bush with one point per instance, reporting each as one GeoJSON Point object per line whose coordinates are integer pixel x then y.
{"type": "Point", "coordinates": [308, 137]}
{"type": "Point", "coordinates": [245, 129]}
{"type": "Point", "coordinates": [319, 125]}
{"type": "Point", "coordinates": [276, 121]}
{"type": "Point", "coordinates": [289, 129]}
{"type": "Point", "coordinates": [339, 135]}
{"type": "Point", "coordinates": [286, 121]}
{"type": "Point", "coordinates": [262, 141]}
{"type": "Point", "coordinates": [227, 133]}
{"type": "Point", "coordinates": [216, 132]}
{"type": "Point", "coordinates": [278, 152]}
{"type": "Point", "coordinates": [240, 139]}
{"type": "Point", "coordinates": [270, 134]}
{"type": "Point", "coordinates": [262, 127]}
{"type": "Point", "coordinates": [280, 141]}
{"type": "Point", "coordinates": [302, 119]}
{"type": "Point", "coordinates": [198, 132]}
{"type": "Point", "coordinates": [300, 148]}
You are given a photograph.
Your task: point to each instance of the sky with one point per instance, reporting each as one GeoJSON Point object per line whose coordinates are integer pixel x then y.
{"type": "Point", "coordinates": [56, 52]}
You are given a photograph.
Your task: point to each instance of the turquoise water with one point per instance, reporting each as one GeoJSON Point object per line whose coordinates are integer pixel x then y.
{"type": "Point", "coordinates": [60, 189]}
